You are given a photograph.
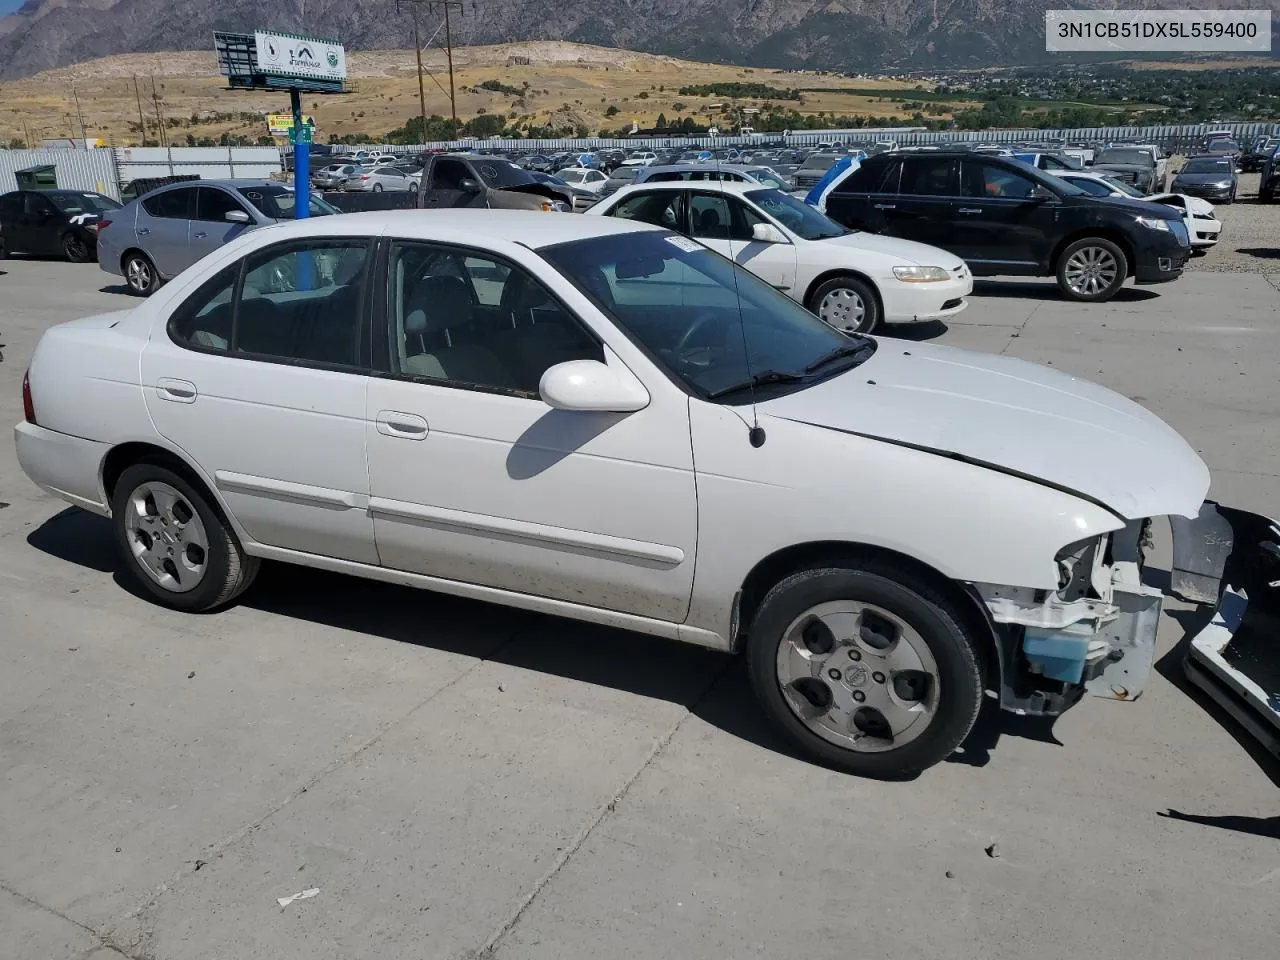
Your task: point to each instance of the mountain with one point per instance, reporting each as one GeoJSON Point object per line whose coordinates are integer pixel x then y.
{"type": "Point", "coordinates": [817, 34]}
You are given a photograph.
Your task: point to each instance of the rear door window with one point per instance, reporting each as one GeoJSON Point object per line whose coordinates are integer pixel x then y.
{"type": "Point", "coordinates": [930, 177]}
{"type": "Point", "coordinates": [177, 204]}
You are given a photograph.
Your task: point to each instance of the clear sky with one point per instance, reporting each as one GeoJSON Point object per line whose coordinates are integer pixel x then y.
{"type": "Point", "coordinates": [8, 6]}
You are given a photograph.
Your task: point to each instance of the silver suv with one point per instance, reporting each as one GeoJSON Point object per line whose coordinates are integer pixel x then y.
{"type": "Point", "coordinates": [156, 237]}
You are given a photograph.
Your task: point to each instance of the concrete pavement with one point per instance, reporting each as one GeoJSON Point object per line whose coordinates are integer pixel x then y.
{"type": "Point", "coordinates": [461, 780]}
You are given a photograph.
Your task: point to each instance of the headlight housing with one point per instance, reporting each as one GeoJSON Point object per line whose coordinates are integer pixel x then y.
{"type": "Point", "coordinates": [1152, 223]}
{"type": "Point", "coordinates": [921, 274]}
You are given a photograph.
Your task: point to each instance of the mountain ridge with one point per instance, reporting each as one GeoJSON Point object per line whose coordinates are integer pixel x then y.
{"type": "Point", "coordinates": [848, 35]}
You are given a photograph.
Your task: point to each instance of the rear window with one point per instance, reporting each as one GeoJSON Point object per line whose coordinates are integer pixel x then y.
{"type": "Point", "coordinates": [78, 203]}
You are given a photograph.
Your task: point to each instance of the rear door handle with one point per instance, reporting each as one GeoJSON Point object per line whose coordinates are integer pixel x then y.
{"type": "Point", "coordinates": [402, 426]}
{"type": "Point", "coordinates": [885, 206]}
{"type": "Point", "coordinates": [179, 391]}
{"type": "Point", "coordinates": [143, 231]}
{"type": "Point", "coordinates": [969, 210]}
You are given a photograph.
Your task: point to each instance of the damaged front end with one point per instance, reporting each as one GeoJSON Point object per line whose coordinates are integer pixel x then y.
{"type": "Point", "coordinates": [1232, 558]}
{"type": "Point", "coordinates": [1095, 634]}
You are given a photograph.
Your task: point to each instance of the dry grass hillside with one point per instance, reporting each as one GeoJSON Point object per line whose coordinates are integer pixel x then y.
{"type": "Point", "coordinates": [568, 83]}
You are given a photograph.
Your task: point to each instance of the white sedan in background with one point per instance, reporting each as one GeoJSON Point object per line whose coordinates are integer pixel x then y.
{"type": "Point", "coordinates": [584, 178]}
{"type": "Point", "coordinates": [561, 413]}
{"type": "Point", "coordinates": [852, 280]}
{"type": "Point", "coordinates": [1203, 227]}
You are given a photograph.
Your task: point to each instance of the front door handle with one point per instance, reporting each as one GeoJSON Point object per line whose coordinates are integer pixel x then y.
{"type": "Point", "coordinates": [179, 391]}
{"type": "Point", "coordinates": [886, 206]}
{"type": "Point", "coordinates": [198, 236]}
{"type": "Point", "coordinates": [402, 426]}
{"type": "Point", "coordinates": [969, 210]}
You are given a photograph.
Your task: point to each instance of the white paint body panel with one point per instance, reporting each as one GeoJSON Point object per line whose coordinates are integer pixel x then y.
{"type": "Point", "coordinates": [798, 265]}
{"type": "Point", "coordinates": [649, 520]}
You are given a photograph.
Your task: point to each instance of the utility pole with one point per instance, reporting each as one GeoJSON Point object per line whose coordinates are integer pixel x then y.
{"type": "Point", "coordinates": [84, 137]}
{"type": "Point", "coordinates": [422, 94]}
{"type": "Point", "coordinates": [142, 121]}
{"type": "Point", "coordinates": [432, 6]}
{"type": "Point", "coordinates": [155, 100]}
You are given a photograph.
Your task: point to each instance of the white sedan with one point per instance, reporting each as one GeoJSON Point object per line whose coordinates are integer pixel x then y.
{"type": "Point", "coordinates": [852, 280]}
{"type": "Point", "coordinates": [603, 420]}
{"type": "Point", "coordinates": [1203, 227]}
{"type": "Point", "coordinates": [584, 178]}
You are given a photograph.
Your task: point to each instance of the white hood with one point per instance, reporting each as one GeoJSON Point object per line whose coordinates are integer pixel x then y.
{"type": "Point", "coordinates": [906, 252]}
{"type": "Point", "coordinates": [1013, 415]}
{"type": "Point", "coordinates": [1195, 205]}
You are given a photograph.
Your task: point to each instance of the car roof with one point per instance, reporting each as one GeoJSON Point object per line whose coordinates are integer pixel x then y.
{"type": "Point", "coordinates": [474, 227]}
{"type": "Point", "coordinates": [728, 186]}
{"type": "Point", "coordinates": [230, 184]}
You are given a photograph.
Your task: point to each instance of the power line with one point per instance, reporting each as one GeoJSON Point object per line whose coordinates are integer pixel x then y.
{"type": "Point", "coordinates": [447, 5]}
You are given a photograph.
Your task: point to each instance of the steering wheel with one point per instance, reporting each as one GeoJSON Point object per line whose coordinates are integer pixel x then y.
{"type": "Point", "coordinates": [700, 323]}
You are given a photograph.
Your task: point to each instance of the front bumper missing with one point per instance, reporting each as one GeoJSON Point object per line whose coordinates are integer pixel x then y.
{"type": "Point", "coordinates": [1232, 558]}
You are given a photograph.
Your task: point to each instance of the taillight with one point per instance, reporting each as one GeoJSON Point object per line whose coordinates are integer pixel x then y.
{"type": "Point", "coordinates": [28, 405]}
{"type": "Point", "coordinates": [103, 224]}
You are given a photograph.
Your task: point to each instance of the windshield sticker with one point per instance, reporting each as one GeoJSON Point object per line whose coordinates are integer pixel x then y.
{"type": "Point", "coordinates": [685, 244]}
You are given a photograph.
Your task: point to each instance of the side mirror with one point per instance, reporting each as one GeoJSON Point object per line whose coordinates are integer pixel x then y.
{"type": "Point", "coordinates": [767, 233]}
{"type": "Point", "coordinates": [237, 216]}
{"type": "Point", "coordinates": [467, 185]}
{"type": "Point", "coordinates": [1041, 195]}
{"type": "Point", "coordinates": [591, 387]}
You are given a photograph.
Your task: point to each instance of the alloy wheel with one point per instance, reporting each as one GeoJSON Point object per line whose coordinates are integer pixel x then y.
{"type": "Point", "coordinates": [139, 275]}
{"type": "Point", "coordinates": [1091, 270]}
{"type": "Point", "coordinates": [858, 676]}
{"type": "Point", "coordinates": [166, 536]}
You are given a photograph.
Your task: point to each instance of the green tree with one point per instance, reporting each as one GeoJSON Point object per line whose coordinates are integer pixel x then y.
{"type": "Point", "coordinates": [611, 111]}
{"type": "Point", "coordinates": [662, 121]}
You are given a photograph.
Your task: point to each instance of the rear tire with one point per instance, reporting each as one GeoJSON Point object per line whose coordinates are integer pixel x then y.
{"type": "Point", "coordinates": [866, 668]}
{"type": "Point", "coordinates": [175, 546]}
{"type": "Point", "coordinates": [1092, 270]}
{"type": "Point", "coordinates": [140, 274]}
{"type": "Point", "coordinates": [377, 188]}
{"type": "Point", "coordinates": [76, 248]}
{"type": "Point", "coordinates": [847, 303]}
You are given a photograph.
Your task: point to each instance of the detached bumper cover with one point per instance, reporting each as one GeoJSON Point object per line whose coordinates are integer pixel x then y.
{"type": "Point", "coordinates": [1232, 558]}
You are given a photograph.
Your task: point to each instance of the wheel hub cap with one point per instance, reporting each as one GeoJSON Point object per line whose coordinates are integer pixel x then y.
{"type": "Point", "coordinates": [843, 309]}
{"type": "Point", "coordinates": [1091, 270]}
{"type": "Point", "coordinates": [166, 536]}
{"type": "Point", "coordinates": [858, 676]}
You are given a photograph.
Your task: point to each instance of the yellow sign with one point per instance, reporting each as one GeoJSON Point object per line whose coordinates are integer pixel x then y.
{"type": "Point", "coordinates": [281, 124]}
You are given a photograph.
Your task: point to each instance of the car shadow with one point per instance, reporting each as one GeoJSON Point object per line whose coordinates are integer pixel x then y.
{"type": "Point", "coordinates": [712, 685]}
{"type": "Point", "coordinates": [1262, 253]}
{"type": "Point", "coordinates": [1030, 290]}
{"type": "Point", "coordinates": [117, 288]}
{"type": "Point", "coordinates": [927, 330]}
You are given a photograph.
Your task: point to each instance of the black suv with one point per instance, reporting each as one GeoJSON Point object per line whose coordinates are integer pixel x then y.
{"type": "Point", "coordinates": [1005, 217]}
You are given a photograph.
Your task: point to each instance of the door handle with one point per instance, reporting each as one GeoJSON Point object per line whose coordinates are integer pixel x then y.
{"type": "Point", "coordinates": [199, 236]}
{"type": "Point", "coordinates": [402, 426]}
{"type": "Point", "coordinates": [969, 210]}
{"type": "Point", "coordinates": [143, 231]}
{"type": "Point", "coordinates": [179, 391]}
{"type": "Point", "coordinates": [885, 206]}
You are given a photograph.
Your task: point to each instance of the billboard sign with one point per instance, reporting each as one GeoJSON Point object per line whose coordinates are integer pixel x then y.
{"type": "Point", "coordinates": [289, 55]}
{"type": "Point", "coordinates": [281, 124]}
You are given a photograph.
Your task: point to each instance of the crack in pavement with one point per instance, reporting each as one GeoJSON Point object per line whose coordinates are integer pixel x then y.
{"type": "Point", "coordinates": [490, 947]}
{"type": "Point", "coordinates": [1021, 328]}
{"type": "Point", "coordinates": [104, 941]}
{"type": "Point", "coordinates": [140, 945]}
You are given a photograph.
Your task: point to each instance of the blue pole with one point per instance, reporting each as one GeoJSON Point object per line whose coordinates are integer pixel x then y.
{"type": "Point", "coordinates": [301, 160]}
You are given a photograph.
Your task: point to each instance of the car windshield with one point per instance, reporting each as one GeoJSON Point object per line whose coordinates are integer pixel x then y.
{"type": "Point", "coordinates": [768, 178]}
{"type": "Point", "coordinates": [713, 326]}
{"type": "Point", "coordinates": [796, 215]}
{"type": "Point", "coordinates": [77, 203]}
{"type": "Point", "coordinates": [277, 202]}
{"type": "Point", "coordinates": [626, 173]}
{"type": "Point", "coordinates": [572, 176]}
{"type": "Point", "coordinates": [818, 162]}
{"type": "Point", "coordinates": [1123, 187]}
{"type": "Point", "coordinates": [1224, 146]}
{"type": "Point", "coordinates": [1140, 157]}
{"type": "Point", "coordinates": [1222, 167]}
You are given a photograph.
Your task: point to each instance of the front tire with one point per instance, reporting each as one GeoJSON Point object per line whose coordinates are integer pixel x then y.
{"type": "Point", "coordinates": [847, 303]}
{"type": "Point", "coordinates": [140, 274]}
{"type": "Point", "coordinates": [1092, 270]}
{"type": "Point", "coordinates": [176, 548]}
{"type": "Point", "coordinates": [867, 669]}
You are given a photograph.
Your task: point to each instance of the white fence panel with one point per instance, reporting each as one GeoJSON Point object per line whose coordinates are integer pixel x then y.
{"type": "Point", "coordinates": [92, 170]}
